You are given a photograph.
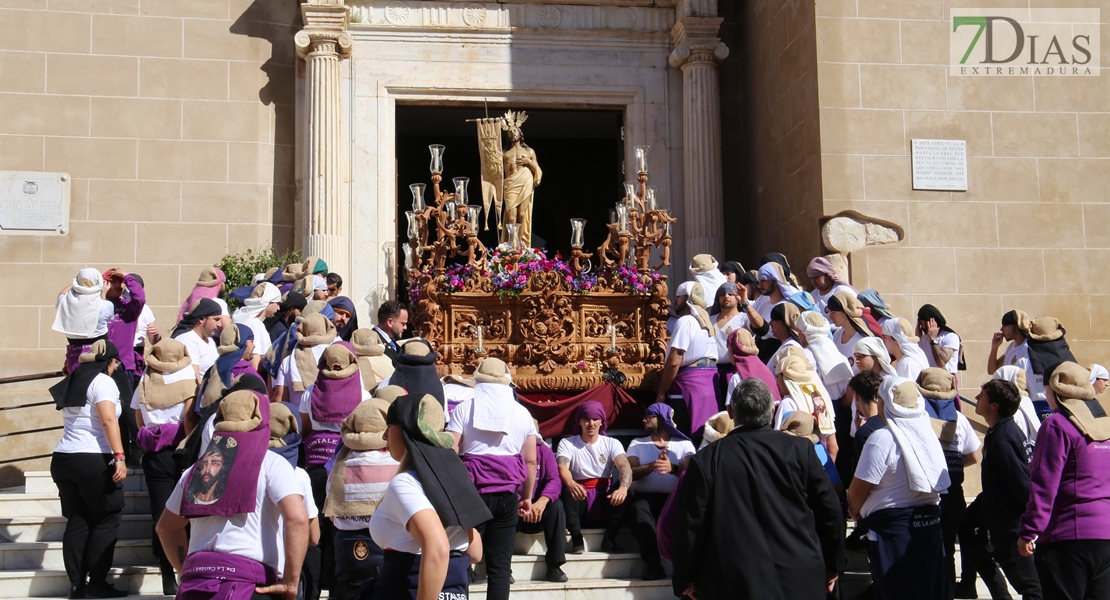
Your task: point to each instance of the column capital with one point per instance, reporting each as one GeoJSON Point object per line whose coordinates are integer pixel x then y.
{"type": "Point", "coordinates": [325, 30]}
{"type": "Point", "coordinates": [695, 40]}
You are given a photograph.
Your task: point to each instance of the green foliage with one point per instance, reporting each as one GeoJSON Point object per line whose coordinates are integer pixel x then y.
{"type": "Point", "coordinates": [241, 268]}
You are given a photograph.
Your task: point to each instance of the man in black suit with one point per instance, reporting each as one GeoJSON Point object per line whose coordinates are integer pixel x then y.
{"type": "Point", "coordinates": [393, 320]}
{"type": "Point", "coordinates": [757, 515]}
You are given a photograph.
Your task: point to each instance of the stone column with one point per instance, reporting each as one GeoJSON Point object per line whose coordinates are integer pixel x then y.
{"type": "Point", "coordinates": [697, 51]}
{"type": "Point", "coordinates": [322, 43]}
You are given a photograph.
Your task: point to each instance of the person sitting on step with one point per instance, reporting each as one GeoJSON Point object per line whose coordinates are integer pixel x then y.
{"type": "Point", "coordinates": [547, 514]}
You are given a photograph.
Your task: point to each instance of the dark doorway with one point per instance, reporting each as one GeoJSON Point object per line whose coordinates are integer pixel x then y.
{"type": "Point", "coordinates": [580, 152]}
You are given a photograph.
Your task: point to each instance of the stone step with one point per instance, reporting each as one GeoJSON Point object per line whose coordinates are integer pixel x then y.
{"type": "Point", "coordinates": [144, 580]}
{"type": "Point", "coordinates": [40, 482]}
{"type": "Point", "coordinates": [591, 565]}
{"type": "Point", "coordinates": [527, 543]}
{"type": "Point", "coordinates": [22, 504]}
{"type": "Point", "coordinates": [19, 556]}
{"type": "Point", "coordinates": [50, 529]}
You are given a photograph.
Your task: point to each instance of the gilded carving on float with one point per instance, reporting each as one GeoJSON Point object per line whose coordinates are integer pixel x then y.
{"type": "Point", "coordinates": [559, 324]}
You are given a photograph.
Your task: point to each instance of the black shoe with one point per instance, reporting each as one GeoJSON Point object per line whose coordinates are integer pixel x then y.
{"type": "Point", "coordinates": [77, 590]}
{"type": "Point", "coordinates": [556, 575]}
{"type": "Point", "coordinates": [103, 590]}
{"type": "Point", "coordinates": [611, 547]}
{"type": "Point", "coordinates": [512, 579]}
{"type": "Point", "coordinates": [169, 583]}
{"type": "Point", "coordinates": [653, 573]}
{"type": "Point", "coordinates": [577, 544]}
{"type": "Point", "coordinates": [966, 590]}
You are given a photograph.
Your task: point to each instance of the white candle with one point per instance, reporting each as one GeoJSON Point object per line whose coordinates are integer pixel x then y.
{"type": "Point", "coordinates": [478, 329]}
{"type": "Point", "coordinates": [612, 338]}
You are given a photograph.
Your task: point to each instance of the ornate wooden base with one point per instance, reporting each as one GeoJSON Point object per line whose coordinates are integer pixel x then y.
{"type": "Point", "coordinates": [553, 338]}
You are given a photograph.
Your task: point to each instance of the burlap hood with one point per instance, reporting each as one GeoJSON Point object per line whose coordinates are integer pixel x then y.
{"type": "Point", "coordinates": [338, 362]}
{"type": "Point", "coordinates": [239, 412]}
{"type": "Point", "coordinates": [493, 370]}
{"type": "Point", "coordinates": [165, 362]}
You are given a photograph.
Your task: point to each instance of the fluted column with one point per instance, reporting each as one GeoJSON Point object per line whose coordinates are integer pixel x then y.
{"type": "Point", "coordinates": [323, 42]}
{"type": "Point", "coordinates": [697, 51]}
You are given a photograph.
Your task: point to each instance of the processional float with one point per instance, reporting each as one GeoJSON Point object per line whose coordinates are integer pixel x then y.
{"type": "Point", "coordinates": [561, 325]}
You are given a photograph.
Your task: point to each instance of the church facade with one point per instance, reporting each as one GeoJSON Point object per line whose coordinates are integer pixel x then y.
{"type": "Point", "coordinates": [192, 129]}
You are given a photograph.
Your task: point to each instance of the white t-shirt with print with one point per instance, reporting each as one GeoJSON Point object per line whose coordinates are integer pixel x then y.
{"type": "Point", "coordinates": [946, 340]}
{"type": "Point", "coordinates": [881, 464]}
{"type": "Point", "coordinates": [966, 441]}
{"type": "Point", "coordinates": [740, 321]}
{"type": "Point", "coordinates": [590, 461]}
{"type": "Point", "coordinates": [255, 535]}
{"type": "Point", "coordinates": [689, 337]}
{"type": "Point", "coordinates": [84, 433]}
{"type": "Point", "coordinates": [404, 498]}
{"type": "Point", "coordinates": [646, 451]}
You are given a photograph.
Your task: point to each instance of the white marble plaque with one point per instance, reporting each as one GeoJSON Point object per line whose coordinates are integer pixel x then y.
{"type": "Point", "coordinates": [34, 203]}
{"type": "Point", "coordinates": [940, 165]}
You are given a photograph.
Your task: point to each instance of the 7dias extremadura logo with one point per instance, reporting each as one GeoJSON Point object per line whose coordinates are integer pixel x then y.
{"type": "Point", "coordinates": [1056, 42]}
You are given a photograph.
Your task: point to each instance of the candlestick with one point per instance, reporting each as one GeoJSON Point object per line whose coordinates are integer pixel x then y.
{"type": "Point", "coordinates": [413, 228]}
{"type": "Point", "coordinates": [460, 189]}
{"type": "Point", "coordinates": [630, 192]}
{"type": "Point", "coordinates": [649, 199]}
{"type": "Point", "coordinates": [417, 190]}
{"type": "Point", "coordinates": [577, 232]}
{"type": "Point", "coordinates": [612, 338]}
{"type": "Point", "coordinates": [449, 208]}
{"type": "Point", "coordinates": [641, 159]}
{"type": "Point", "coordinates": [478, 332]}
{"type": "Point", "coordinates": [437, 158]}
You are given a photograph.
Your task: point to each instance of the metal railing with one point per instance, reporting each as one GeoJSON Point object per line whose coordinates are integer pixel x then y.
{"type": "Point", "coordinates": [13, 434]}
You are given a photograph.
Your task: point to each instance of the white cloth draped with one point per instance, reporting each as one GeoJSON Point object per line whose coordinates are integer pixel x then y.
{"type": "Point", "coordinates": [926, 468]}
{"type": "Point", "coordinates": [253, 306]}
{"type": "Point", "coordinates": [79, 309]}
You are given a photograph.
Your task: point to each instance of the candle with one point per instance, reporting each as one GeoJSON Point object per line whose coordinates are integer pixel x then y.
{"type": "Point", "coordinates": [413, 228]}
{"type": "Point", "coordinates": [437, 158]}
{"type": "Point", "coordinates": [417, 190]}
{"type": "Point", "coordinates": [474, 215]}
{"type": "Point", "coordinates": [630, 192]}
{"type": "Point", "coordinates": [649, 199]}
{"type": "Point", "coordinates": [478, 332]}
{"type": "Point", "coordinates": [612, 338]}
{"type": "Point", "coordinates": [622, 217]}
{"type": "Point", "coordinates": [460, 189]}
{"type": "Point", "coordinates": [641, 159]}
{"type": "Point", "coordinates": [449, 208]}
{"type": "Point", "coordinates": [577, 232]}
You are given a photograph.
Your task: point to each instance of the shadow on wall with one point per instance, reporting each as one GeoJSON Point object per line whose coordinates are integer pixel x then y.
{"type": "Point", "coordinates": [277, 21]}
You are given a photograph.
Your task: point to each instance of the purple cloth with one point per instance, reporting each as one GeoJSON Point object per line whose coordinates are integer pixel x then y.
{"type": "Point", "coordinates": [696, 386]}
{"type": "Point", "coordinates": [548, 483]}
{"type": "Point", "coordinates": [121, 328]}
{"type": "Point", "coordinates": [666, 417]}
{"type": "Point", "coordinates": [237, 482]}
{"type": "Point", "coordinates": [73, 352]}
{"type": "Point", "coordinates": [334, 399]}
{"type": "Point", "coordinates": [219, 576]}
{"type": "Point", "coordinates": [750, 366]}
{"type": "Point", "coordinates": [595, 500]}
{"type": "Point", "coordinates": [160, 437]}
{"type": "Point", "coordinates": [320, 447]}
{"type": "Point", "coordinates": [589, 410]}
{"type": "Point", "coordinates": [494, 474]}
{"type": "Point", "coordinates": [664, 532]}
{"type": "Point", "coordinates": [1069, 486]}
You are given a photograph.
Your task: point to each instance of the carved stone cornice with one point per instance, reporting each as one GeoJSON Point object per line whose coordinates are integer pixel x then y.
{"type": "Point", "coordinates": [695, 41]}
{"type": "Point", "coordinates": [325, 30]}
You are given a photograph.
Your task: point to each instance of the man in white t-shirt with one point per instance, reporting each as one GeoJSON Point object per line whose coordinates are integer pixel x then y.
{"type": "Point", "coordinates": [586, 463]}
{"type": "Point", "coordinates": [206, 320]}
{"type": "Point", "coordinates": [656, 460]}
{"type": "Point", "coordinates": [274, 536]}
{"type": "Point", "coordinates": [690, 368]}
{"type": "Point", "coordinates": [496, 438]}
{"type": "Point", "coordinates": [826, 282]}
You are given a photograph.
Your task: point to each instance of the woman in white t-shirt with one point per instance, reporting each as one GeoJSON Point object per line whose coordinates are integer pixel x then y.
{"type": "Point", "coordinates": [88, 466]}
{"type": "Point", "coordinates": [846, 312]}
{"type": "Point", "coordinates": [426, 520]}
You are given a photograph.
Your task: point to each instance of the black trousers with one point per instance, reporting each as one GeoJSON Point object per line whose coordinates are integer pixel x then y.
{"type": "Point", "coordinates": [357, 559]}
{"type": "Point", "coordinates": [161, 475]}
{"type": "Point", "coordinates": [643, 514]}
{"type": "Point", "coordinates": [553, 524]}
{"type": "Point", "coordinates": [952, 509]}
{"type": "Point", "coordinates": [320, 560]}
{"type": "Point", "coordinates": [611, 516]}
{"type": "Point", "coordinates": [498, 537]}
{"type": "Point", "coordinates": [92, 504]}
{"type": "Point", "coordinates": [128, 426]}
{"type": "Point", "coordinates": [1076, 570]}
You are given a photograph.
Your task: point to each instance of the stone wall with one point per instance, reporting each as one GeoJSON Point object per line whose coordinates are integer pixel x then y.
{"type": "Point", "coordinates": [769, 116]}
{"type": "Point", "coordinates": [1029, 233]}
{"type": "Point", "coordinates": [175, 120]}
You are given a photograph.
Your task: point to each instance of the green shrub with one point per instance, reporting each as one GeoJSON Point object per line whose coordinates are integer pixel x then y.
{"type": "Point", "coordinates": [241, 268]}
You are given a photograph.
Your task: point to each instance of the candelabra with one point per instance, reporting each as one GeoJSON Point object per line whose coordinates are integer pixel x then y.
{"type": "Point", "coordinates": [637, 225]}
{"type": "Point", "coordinates": [451, 217]}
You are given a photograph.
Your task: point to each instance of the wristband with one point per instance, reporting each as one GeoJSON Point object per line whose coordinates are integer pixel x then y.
{"type": "Point", "coordinates": [119, 456]}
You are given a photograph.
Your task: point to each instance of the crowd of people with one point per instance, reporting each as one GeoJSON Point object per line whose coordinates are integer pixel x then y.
{"type": "Point", "coordinates": [287, 450]}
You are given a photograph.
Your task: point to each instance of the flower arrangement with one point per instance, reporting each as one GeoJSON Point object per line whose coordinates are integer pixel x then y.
{"type": "Point", "coordinates": [633, 279]}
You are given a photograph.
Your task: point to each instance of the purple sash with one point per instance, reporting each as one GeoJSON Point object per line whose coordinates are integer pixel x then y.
{"type": "Point", "coordinates": [664, 532]}
{"type": "Point", "coordinates": [334, 399]}
{"type": "Point", "coordinates": [750, 366]}
{"type": "Point", "coordinates": [160, 437]}
{"type": "Point", "coordinates": [224, 480]}
{"type": "Point", "coordinates": [242, 367]}
{"type": "Point", "coordinates": [221, 576]}
{"type": "Point", "coordinates": [696, 386]}
{"type": "Point", "coordinates": [493, 474]}
{"type": "Point", "coordinates": [595, 500]}
{"type": "Point", "coordinates": [320, 447]}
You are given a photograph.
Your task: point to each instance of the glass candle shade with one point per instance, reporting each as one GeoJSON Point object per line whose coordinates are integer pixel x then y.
{"type": "Point", "coordinates": [473, 216]}
{"type": "Point", "coordinates": [410, 256]}
{"type": "Point", "coordinates": [641, 159]}
{"type": "Point", "coordinates": [622, 217]}
{"type": "Point", "coordinates": [417, 190]}
{"type": "Point", "coordinates": [630, 188]}
{"type": "Point", "coordinates": [649, 199]}
{"type": "Point", "coordinates": [577, 232]}
{"type": "Point", "coordinates": [460, 189]}
{"type": "Point", "coordinates": [612, 216]}
{"type": "Point", "coordinates": [513, 233]}
{"type": "Point", "coordinates": [437, 158]}
{"type": "Point", "coordinates": [413, 228]}
{"type": "Point", "coordinates": [449, 209]}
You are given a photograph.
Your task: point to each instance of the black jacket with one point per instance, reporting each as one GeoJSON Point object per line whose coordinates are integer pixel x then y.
{"type": "Point", "coordinates": [757, 518]}
{"type": "Point", "coordinates": [1005, 476]}
{"type": "Point", "coordinates": [390, 345]}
